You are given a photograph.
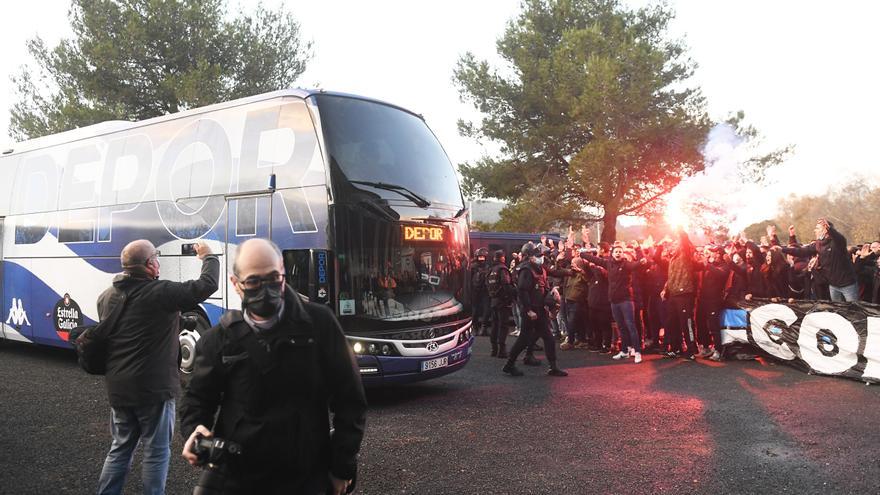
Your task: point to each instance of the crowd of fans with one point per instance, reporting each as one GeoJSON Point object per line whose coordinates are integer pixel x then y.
{"type": "Point", "coordinates": [665, 297]}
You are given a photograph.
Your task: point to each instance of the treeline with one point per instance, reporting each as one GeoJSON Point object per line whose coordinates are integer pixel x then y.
{"type": "Point", "coordinates": [854, 209]}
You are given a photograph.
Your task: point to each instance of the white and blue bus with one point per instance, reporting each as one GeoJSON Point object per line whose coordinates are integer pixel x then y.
{"type": "Point", "coordinates": [358, 194]}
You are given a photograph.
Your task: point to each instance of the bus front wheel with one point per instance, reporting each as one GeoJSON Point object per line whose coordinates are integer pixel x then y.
{"type": "Point", "coordinates": [194, 324]}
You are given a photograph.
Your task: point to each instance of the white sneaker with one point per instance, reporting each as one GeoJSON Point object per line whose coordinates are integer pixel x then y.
{"type": "Point", "coordinates": [632, 352]}
{"type": "Point", "coordinates": [638, 357]}
{"type": "Point", "coordinates": [716, 356]}
{"type": "Point", "coordinates": [620, 355]}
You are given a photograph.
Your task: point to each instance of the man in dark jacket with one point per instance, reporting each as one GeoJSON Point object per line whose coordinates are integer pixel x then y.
{"type": "Point", "coordinates": [502, 292]}
{"type": "Point", "coordinates": [620, 294]}
{"type": "Point", "coordinates": [142, 374]}
{"type": "Point", "coordinates": [834, 261]}
{"type": "Point", "coordinates": [274, 370]}
{"type": "Point", "coordinates": [716, 273]}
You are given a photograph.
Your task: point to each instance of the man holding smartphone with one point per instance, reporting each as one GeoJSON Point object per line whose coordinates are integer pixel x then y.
{"type": "Point", "coordinates": [142, 374]}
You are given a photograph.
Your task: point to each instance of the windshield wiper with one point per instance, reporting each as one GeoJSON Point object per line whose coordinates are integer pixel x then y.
{"type": "Point", "coordinates": [416, 198]}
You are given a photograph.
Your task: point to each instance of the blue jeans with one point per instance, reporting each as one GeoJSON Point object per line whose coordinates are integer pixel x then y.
{"type": "Point", "coordinates": [151, 425]}
{"type": "Point", "coordinates": [848, 293]}
{"type": "Point", "coordinates": [624, 314]}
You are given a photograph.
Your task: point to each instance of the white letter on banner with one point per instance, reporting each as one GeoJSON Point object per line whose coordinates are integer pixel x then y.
{"type": "Point", "coordinates": [847, 340]}
{"type": "Point", "coordinates": [872, 349]}
{"type": "Point", "coordinates": [759, 318]}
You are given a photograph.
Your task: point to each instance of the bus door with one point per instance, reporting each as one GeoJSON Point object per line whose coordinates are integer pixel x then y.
{"type": "Point", "coordinates": [3, 311]}
{"type": "Point", "coordinates": [310, 272]}
{"type": "Point", "coordinates": [247, 216]}
{"type": "Point", "coordinates": [16, 322]}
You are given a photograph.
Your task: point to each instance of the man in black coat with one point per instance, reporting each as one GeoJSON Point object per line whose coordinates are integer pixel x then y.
{"type": "Point", "coordinates": [274, 370]}
{"type": "Point", "coordinates": [834, 260]}
{"type": "Point", "coordinates": [142, 375]}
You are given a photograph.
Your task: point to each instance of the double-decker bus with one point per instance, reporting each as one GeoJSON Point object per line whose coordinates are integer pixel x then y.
{"type": "Point", "coordinates": [358, 194]}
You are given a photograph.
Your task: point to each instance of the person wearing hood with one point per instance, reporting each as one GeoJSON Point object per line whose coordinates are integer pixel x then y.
{"type": "Point", "coordinates": [142, 361]}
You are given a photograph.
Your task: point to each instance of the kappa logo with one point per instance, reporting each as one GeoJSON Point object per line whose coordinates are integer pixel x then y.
{"type": "Point", "coordinates": [17, 315]}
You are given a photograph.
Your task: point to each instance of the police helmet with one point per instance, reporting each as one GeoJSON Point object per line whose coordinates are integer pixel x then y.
{"type": "Point", "coordinates": [497, 255]}
{"type": "Point", "coordinates": [481, 252]}
{"type": "Point", "coordinates": [529, 249]}
{"type": "Point", "coordinates": [543, 250]}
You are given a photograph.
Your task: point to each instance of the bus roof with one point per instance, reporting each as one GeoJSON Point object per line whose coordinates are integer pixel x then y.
{"type": "Point", "coordinates": [112, 126]}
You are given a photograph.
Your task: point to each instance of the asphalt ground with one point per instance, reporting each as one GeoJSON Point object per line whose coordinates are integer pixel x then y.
{"type": "Point", "coordinates": [663, 426]}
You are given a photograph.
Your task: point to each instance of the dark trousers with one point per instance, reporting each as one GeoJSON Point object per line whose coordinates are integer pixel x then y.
{"type": "Point", "coordinates": [600, 327]}
{"type": "Point", "coordinates": [712, 312]}
{"type": "Point", "coordinates": [482, 311]}
{"type": "Point", "coordinates": [223, 481]}
{"type": "Point", "coordinates": [655, 310]}
{"type": "Point", "coordinates": [703, 331]}
{"type": "Point", "coordinates": [681, 322]}
{"type": "Point", "coordinates": [638, 319]}
{"type": "Point", "coordinates": [533, 330]}
{"type": "Point", "coordinates": [500, 316]}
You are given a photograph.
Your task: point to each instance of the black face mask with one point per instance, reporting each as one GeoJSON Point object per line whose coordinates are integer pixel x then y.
{"type": "Point", "coordinates": [264, 302]}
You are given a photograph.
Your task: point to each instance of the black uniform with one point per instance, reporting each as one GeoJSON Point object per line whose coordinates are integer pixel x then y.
{"type": "Point", "coordinates": [502, 292]}
{"type": "Point", "coordinates": [273, 392]}
{"type": "Point", "coordinates": [532, 288]}
{"type": "Point", "coordinates": [480, 295]}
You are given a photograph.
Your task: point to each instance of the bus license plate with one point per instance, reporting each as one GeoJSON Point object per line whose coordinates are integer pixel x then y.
{"type": "Point", "coordinates": [435, 363]}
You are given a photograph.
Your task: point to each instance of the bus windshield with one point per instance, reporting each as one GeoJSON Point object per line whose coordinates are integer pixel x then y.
{"type": "Point", "coordinates": [395, 275]}
{"type": "Point", "coordinates": [380, 144]}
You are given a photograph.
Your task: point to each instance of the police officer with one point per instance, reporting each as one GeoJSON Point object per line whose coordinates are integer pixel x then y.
{"type": "Point", "coordinates": [502, 292]}
{"type": "Point", "coordinates": [273, 370]}
{"type": "Point", "coordinates": [532, 289]}
{"type": "Point", "coordinates": [480, 294]}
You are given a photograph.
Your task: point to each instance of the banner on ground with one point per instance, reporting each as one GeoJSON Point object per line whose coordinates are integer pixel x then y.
{"type": "Point", "coordinates": [840, 339]}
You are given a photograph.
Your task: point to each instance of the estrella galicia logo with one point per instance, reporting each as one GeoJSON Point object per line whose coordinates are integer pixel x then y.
{"type": "Point", "coordinates": [66, 315]}
{"type": "Point", "coordinates": [17, 315]}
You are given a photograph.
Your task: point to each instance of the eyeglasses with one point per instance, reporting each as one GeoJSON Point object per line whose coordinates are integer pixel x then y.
{"type": "Point", "coordinates": [155, 256]}
{"type": "Point", "coordinates": [255, 282]}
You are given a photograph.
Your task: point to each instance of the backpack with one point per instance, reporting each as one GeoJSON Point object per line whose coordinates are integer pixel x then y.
{"type": "Point", "coordinates": [91, 341]}
{"type": "Point", "coordinates": [494, 281]}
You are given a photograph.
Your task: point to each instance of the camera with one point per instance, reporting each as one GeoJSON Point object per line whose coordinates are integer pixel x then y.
{"type": "Point", "coordinates": [188, 249]}
{"type": "Point", "coordinates": [214, 450]}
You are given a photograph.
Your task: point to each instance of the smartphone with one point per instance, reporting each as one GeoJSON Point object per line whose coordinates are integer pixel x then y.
{"type": "Point", "coordinates": [188, 249]}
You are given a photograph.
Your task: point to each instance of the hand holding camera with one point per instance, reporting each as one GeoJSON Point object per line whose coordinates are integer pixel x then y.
{"type": "Point", "coordinates": [203, 448]}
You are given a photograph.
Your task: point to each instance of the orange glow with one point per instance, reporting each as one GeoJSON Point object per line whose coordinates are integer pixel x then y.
{"type": "Point", "coordinates": [674, 214]}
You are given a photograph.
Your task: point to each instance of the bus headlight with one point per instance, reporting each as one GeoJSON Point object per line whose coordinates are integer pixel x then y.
{"type": "Point", "coordinates": [358, 348]}
{"type": "Point", "coordinates": [372, 348]}
{"type": "Point", "coordinates": [386, 349]}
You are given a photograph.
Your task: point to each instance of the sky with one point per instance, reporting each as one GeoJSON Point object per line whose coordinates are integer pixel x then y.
{"type": "Point", "coordinates": [805, 73]}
